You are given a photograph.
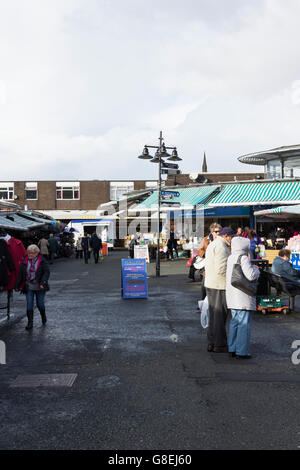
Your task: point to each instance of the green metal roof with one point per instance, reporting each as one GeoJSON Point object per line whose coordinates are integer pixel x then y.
{"type": "Point", "coordinates": [187, 197]}
{"type": "Point", "coordinates": [257, 193]}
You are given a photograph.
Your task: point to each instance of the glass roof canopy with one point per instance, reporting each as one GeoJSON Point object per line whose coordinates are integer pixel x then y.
{"type": "Point", "coordinates": [290, 155]}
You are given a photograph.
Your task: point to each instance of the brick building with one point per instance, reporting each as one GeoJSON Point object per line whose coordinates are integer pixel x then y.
{"type": "Point", "coordinates": [88, 195]}
{"type": "Point", "coordinates": [67, 195]}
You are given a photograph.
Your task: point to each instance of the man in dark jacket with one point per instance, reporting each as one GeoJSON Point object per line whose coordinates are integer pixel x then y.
{"type": "Point", "coordinates": [96, 245]}
{"type": "Point", "coordinates": [282, 267]}
{"type": "Point", "coordinates": [53, 245]}
{"type": "Point", "coordinates": [85, 247]}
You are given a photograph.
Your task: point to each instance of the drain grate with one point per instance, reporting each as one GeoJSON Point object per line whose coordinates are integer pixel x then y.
{"type": "Point", "coordinates": [44, 380]}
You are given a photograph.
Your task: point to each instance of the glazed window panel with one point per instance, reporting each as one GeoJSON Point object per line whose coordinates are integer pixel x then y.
{"type": "Point", "coordinates": [119, 189]}
{"type": "Point", "coordinates": [31, 191]}
{"type": "Point", "coordinates": [7, 191]}
{"type": "Point", "coordinates": [67, 191]}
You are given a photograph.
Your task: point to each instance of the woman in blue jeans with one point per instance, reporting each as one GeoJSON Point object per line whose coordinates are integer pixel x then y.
{"type": "Point", "coordinates": [33, 281]}
{"type": "Point", "coordinates": [240, 303]}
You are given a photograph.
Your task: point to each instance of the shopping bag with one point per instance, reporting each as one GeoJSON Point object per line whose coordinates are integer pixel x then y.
{"type": "Point", "coordinates": [101, 254]}
{"type": "Point", "coordinates": [189, 263]}
{"type": "Point", "coordinates": [204, 312]}
{"type": "Point", "coordinates": [239, 280]}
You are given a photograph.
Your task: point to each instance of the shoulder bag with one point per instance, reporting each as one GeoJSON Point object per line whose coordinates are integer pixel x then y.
{"type": "Point", "coordinates": [239, 280]}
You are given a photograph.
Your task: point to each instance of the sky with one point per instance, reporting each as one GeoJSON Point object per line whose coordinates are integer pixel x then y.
{"type": "Point", "coordinates": [84, 85]}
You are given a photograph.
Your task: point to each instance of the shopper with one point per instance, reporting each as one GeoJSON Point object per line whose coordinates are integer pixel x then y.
{"type": "Point", "coordinates": [240, 303]}
{"type": "Point", "coordinates": [44, 245]}
{"type": "Point", "coordinates": [254, 242]}
{"type": "Point", "coordinates": [131, 246]}
{"type": "Point", "coordinates": [215, 283]}
{"type": "Point", "coordinates": [85, 247]}
{"type": "Point", "coordinates": [53, 246]}
{"type": "Point", "coordinates": [79, 250]}
{"type": "Point", "coordinates": [96, 245]}
{"type": "Point", "coordinates": [282, 267]}
{"type": "Point", "coordinates": [33, 281]}
{"type": "Point", "coordinates": [172, 244]}
{"type": "Point", "coordinates": [239, 232]}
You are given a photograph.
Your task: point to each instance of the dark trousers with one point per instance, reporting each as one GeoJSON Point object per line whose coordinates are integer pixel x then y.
{"type": "Point", "coordinates": [79, 254]}
{"type": "Point", "coordinates": [86, 255]}
{"type": "Point", "coordinates": [96, 255]}
{"type": "Point", "coordinates": [51, 256]}
{"type": "Point", "coordinates": [216, 331]}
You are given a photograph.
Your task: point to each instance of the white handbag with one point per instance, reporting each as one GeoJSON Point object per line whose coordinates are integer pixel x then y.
{"type": "Point", "coordinates": [199, 263]}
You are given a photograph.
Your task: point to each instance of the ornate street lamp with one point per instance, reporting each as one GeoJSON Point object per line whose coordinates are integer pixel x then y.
{"type": "Point", "coordinates": [161, 152]}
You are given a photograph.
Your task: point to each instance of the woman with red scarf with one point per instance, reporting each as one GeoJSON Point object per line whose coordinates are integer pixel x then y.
{"type": "Point", "coordinates": [33, 281]}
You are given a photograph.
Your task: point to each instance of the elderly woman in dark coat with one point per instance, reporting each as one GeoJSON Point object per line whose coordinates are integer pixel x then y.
{"type": "Point", "coordinates": [33, 281]}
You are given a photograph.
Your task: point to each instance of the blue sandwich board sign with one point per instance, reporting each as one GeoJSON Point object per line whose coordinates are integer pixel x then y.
{"type": "Point", "coordinates": [134, 279]}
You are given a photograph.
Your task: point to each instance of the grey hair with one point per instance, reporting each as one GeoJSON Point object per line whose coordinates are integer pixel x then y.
{"type": "Point", "coordinates": [34, 248]}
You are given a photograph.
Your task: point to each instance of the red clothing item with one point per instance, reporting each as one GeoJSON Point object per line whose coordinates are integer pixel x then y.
{"type": "Point", "coordinates": [17, 251]}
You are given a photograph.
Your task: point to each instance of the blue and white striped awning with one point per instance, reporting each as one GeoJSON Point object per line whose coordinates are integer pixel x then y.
{"type": "Point", "coordinates": [252, 194]}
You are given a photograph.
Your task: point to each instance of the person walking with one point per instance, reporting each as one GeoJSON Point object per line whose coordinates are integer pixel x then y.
{"type": "Point", "coordinates": [44, 245]}
{"type": "Point", "coordinates": [85, 247]}
{"type": "Point", "coordinates": [53, 246]}
{"type": "Point", "coordinates": [216, 257]}
{"type": "Point", "coordinates": [172, 244]}
{"type": "Point", "coordinates": [131, 246]}
{"type": "Point", "coordinates": [96, 245]}
{"type": "Point", "coordinates": [240, 303]}
{"type": "Point", "coordinates": [32, 280]}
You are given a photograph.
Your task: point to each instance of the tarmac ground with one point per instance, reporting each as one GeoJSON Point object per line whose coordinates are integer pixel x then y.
{"type": "Point", "coordinates": [114, 374]}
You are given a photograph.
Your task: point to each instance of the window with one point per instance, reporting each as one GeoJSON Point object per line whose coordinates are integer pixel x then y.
{"type": "Point", "coordinates": [31, 191]}
{"type": "Point", "coordinates": [151, 185]}
{"type": "Point", "coordinates": [273, 169]}
{"type": "Point", "coordinates": [118, 189]}
{"type": "Point", "coordinates": [7, 191]}
{"type": "Point", "coordinates": [68, 190]}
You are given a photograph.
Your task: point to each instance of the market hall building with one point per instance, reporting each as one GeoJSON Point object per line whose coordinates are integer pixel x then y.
{"type": "Point", "coordinates": [236, 203]}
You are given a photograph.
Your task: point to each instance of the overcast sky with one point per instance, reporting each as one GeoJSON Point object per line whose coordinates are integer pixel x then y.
{"type": "Point", "coordinates": [84, 84]}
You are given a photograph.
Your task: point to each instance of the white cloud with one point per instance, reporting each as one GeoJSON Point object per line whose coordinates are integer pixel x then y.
{"type": "Point", "coordinates": [84, 85]}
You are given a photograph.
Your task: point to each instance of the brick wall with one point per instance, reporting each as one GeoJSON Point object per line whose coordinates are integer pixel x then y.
{"type": "Point", "coordinates": [184, 179]}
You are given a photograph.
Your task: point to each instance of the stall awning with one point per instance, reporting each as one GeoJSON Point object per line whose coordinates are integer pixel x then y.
{"type": "Point", "coordinates": [283, 212]}
{"type": "Point", "coordinates": [15, 221]}
{"type": "Point", "coordinates": [257, 193]}
{"type": "Point", "coordinates": [188, 198]}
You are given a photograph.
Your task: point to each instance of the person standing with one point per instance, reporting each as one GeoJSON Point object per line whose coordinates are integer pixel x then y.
{"type": "Point", "coordinates": [53, 245]}
{"type": "Point", "coordinates": [32, 280]}
{"type": "Point", "coordinates": [79, 248]}
{"type": "Point", "coordinates": [96, 245]}
{"type": "Point", "coordinates": [254, 242]}
{"type": "Point", "coordinates": [216, 257]}
{"type": "Point", "coordinates": [85, 247]}
{"type": "Point", "coordinates": [44, 245]}
{"type": "Point", "coordinates": [240, 303]}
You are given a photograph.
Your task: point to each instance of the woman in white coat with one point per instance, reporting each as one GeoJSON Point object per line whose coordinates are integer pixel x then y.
{"type": "Point", "coordinates": [240, 303]}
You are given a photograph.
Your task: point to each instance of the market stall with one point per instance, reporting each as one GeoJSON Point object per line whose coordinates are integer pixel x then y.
{"type": "Point", "coordinates": [287, 220]}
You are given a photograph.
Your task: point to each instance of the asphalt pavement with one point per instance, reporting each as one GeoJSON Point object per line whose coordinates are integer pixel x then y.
{"type": "Point", "coordinates": [115, 374]}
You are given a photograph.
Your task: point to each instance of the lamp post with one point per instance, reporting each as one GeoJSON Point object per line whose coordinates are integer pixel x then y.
{"type": "Point", "coordinates": [160, 154]}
